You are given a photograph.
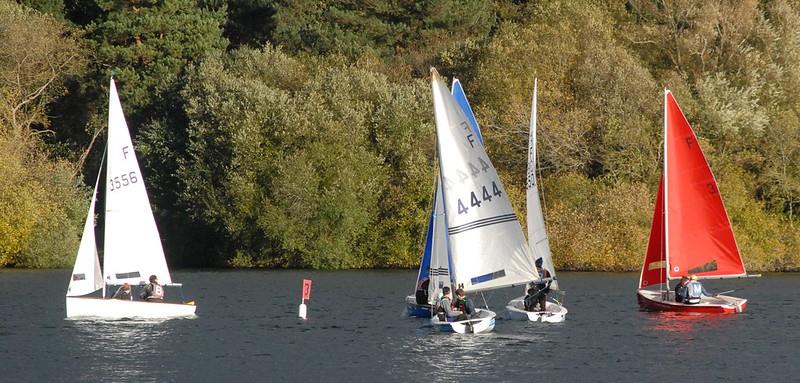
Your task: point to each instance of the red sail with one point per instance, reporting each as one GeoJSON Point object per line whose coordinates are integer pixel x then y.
{"type": "Point", "coordinates": [699, 235]}
{"type": "Point", "coordinates": [654, 270]}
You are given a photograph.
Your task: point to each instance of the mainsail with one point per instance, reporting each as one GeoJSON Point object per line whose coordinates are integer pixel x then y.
{"type": "Point", "coordinates": [86, 276]}
{"type": "Point", "coordinates": [437, 271]}
{"type": "Point", "coordinates": [698, 232]}
{"type": "Point", "coordinates": [133, 249]}
{"type": "Point", "coordinates": [537, 232]}
{"type": "Point", "coordinates": [487, 247]}
{"type": "Point", "coordinates": [691, 232]}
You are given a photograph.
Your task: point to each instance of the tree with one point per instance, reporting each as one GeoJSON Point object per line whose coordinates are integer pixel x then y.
{"type": "Point", "coordinates": [302, 162]}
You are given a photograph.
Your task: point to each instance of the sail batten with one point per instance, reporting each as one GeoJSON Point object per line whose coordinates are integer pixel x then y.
{"type": "Point", "coordinates": [474, 198]}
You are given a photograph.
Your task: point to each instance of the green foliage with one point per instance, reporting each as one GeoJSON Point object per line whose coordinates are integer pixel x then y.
{"type": "Point", "coordinates": [41, 206]}
{"type": "Point", "coordinates": [413, 33]}
{"type": "Point", "coordinates": [308, 140]}
{"type": "Point", "coordinates": [150, 44]}
{"type": "Point", "coordinates": [293, 161]}
{"type": "Point", "coordinates": [595, 225]}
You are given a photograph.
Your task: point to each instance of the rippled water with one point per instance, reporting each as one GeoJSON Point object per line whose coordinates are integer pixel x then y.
{"type": "Point", "coordinates": [247, 330]}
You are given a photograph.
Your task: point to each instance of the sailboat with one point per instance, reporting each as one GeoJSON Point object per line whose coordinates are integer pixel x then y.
{"type": "Point", "coordinates": [691, 233]}
{"type": "Point", "coordinates": [434, 269]}
{"type": "Point", "coordinates": [487, 247]}
{"type": "Point", "coordinates": [132, 247]}
{"type": "Point", "coordinates": [538, 241]}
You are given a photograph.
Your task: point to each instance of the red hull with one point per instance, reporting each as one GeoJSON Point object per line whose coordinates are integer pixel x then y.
{"type": "Point", "coordinates": [650, 300]}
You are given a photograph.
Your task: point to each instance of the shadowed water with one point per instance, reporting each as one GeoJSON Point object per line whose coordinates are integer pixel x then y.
{"type": "Point", "coordinates": [246, 330]}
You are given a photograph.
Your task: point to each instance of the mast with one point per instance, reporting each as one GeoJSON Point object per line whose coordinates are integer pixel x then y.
{"type": "Point", "coordinates": [666, 200]}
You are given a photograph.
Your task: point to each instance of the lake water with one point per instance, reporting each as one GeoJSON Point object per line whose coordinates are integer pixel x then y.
{"type": "Point", "coordinates": [247, 330]}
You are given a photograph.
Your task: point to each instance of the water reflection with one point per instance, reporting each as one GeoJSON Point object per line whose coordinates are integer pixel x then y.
{"type": "Point", "coordinates": [685, 323]}
{"type": "Point", "coordinates": [121, 351]}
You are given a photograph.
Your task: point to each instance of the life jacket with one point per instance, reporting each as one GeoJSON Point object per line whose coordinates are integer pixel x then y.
{"type": "Point", "coordinates": [157, 292]}
{"type": "Point", "coordinates": [680, 293]}
{"type": "Point", "coordinates": [542, 285]}
{"type": "Point", "coordinates": [694, 291]}
{"type": "Point", "coordinates": [440, 311]}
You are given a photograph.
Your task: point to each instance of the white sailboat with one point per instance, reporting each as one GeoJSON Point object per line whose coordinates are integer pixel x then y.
{"type": "Point", "coordinates": [487, 247]}
{"type": "Point", "coordinates": [132, 249]}
{"type": "Point", "coordinates": [537, 240]}
{"type": "Point", "coordinates": [434, 269]}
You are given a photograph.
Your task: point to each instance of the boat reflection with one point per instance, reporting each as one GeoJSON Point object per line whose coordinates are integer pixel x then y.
{"type": "Point", "coordinates": [123, 350]}
{"type": "Point", "coordinates": [686, 323]}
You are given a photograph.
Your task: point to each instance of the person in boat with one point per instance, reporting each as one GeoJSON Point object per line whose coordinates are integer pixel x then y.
{"type": "Point", "coordinates": [695, 291]}
{"type": "Point", "coordinates": [153, 292]}
{"type": "Point", "coordinates": [124, 292]}
{"type": "Point", "coordinates": [422, 292]}
{"type": "Point", "coordinates": [537, 293]}
{"type": "Point", "coordinates": [444, 307]}
{"type": "Point", "coordinates": [464, 305]}
{"type": "Point", "coordinates": [681, 290]}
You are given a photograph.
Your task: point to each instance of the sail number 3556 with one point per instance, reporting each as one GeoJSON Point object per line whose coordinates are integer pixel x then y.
{"type": "Point", "coordinates": [476, 201]}
{"type": "Point", "coordinates": [119, 182]}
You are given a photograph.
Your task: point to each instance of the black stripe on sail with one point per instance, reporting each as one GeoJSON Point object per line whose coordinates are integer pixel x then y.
{"type": "Point", "coordinates": [129, 275]}
{"type": "Point", "coordinates": [482, 223]}
{"type": "Point", "coordinates": [439, 271]}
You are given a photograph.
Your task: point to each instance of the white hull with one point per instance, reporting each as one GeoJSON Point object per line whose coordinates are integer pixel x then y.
{"type": "Point", "coordinates": [80, 307]}
{"type": "Point", "coordinates": [481, 322]}
{"type": "Point", "coordinates": [555, 312]}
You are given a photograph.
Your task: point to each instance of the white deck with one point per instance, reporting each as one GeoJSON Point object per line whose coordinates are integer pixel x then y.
{"type": "Point", "coordinates": [554, 312]}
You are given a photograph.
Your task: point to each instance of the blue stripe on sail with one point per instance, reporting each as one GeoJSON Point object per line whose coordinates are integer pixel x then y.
{"type": "Point", "coordinates": [482, 223]}
{"type": "Point", "coordinates": [461, 98]}
{"type": "Point", "coordinates": [488, 277]}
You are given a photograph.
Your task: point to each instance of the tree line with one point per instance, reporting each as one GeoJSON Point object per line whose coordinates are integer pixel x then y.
{"type": "Point", "coordinates": [300, 134]}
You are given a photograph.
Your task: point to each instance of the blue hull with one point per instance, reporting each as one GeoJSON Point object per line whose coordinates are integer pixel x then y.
{"type": "Point", "coordinates": [418, 311]}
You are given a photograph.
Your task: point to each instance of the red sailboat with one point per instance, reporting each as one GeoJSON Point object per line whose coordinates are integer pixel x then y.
{"type": "Point", "coordinates": [691, 233]}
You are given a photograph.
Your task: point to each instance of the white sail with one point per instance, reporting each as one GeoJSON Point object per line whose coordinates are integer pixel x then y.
{"type": "Point", "coordinates": [439, 267]}
{"type": "Point", "coordinates": [537, 233]}
{"type": "Point", "coordinates": [487, 247]}
{"type": "Point", "coordinates": [132, 249]}
{"type": "Point", "coordinates": [86, 276]}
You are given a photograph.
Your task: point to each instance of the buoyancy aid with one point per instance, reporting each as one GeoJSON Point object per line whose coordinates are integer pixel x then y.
{"type": "Point", "coordinates": [694, 291]}
{"type": "Point", "coordinates": [157, 292]}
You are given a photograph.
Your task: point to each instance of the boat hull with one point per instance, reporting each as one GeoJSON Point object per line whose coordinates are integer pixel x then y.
{"type": "Point", "coordinates": [82, 307]}
{"type": "Point", "coordinates": [481, 322]}
{"type": "Point", "coordinates": [651, 300]}
{"type": "Point", "coordinates": [416, 310]}
{"type": "Point", "coordinates": [555, 312]}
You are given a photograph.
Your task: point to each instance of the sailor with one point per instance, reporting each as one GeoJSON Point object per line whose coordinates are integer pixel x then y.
{"type": "Point", "coordinates": [537, 293]}
{"type": "Point", "coordinates": [124, 292]}
{"type": "Point", "coordinates": [444, 307]}
{"type": "Point", "coordinates": [153, 292]}
{"type": "Point", "coordinates": [695, 291]}
{"type": "Point", "coordinates": [464, 305]}
{"type": "Point", "coordinates": [681, 290]}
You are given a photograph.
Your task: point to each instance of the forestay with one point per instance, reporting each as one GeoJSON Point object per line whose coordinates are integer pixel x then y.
{"type": "Point", "coordinates": [537, 232]}
{"type": "Point", "coordinates": [488, 249]}
{"type": "Point", "coordinates": [86, 276]}
{"type": "Point", "coordinates": [133, 249]}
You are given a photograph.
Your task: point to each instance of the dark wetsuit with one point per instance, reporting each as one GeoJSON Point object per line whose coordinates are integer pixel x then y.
{"type": "Point", "coordinates": [537, 294]}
